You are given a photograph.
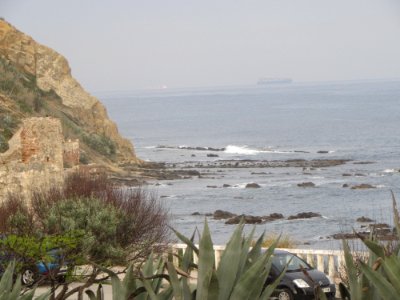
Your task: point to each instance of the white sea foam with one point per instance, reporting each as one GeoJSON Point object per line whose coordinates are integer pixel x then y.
{"type": "Point", "coordinates": [390, 171]}
{"type": "Point", "coordinates": [232, 149]}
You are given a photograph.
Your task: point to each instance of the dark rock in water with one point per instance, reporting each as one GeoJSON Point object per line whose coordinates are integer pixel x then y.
{"type": "Point", "coordinates": [222, 214]}
{"type": "Point", "coordinates": [306, 184]}
{"type": "Point", "coordinates": [364, 219]}
{"type": "Point", "coordinates": [193, 173]}
{"type": "Point", "coordinates": [359, 175]}
{"type": "Point", "coordinates": [164, 196]}
{"type": "Point", "coordinates": [273, 217]}
{"type": "Point", "coordinates": [346, 174]}
{"type": "Point", "coordinates": [193, 155]}
{"type": "Point", "coordinates": [345, 185]}
{"type": "Point", "coordinates": [363, 186]}
{"type": "Point", "coordinates": [322, 152]}
{"type": "Point", "coordinates": [252, 185]}
{"type": "Point", "coordinates": [226, 185]}
{"type": "Point", "coordinates": [196, 214]}
{"type": "Point", "coordinates": [258, 173]}
{"type": "Point", "coordinates": [246, 219]}
{"type": "Point", "coordinates": [304, 215]}
{"type": "Point", "coordinates": [363, 162]}
{"type": "Point", "coordinates": [212, 155]}
{"type": "Point", "coordinates": [212, 186]}
{"type": "Point", "coordinates": [208, 214]}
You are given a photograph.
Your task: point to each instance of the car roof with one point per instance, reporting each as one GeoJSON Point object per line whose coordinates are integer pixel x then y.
{"type": "Point", "coordinates": [277, 252]}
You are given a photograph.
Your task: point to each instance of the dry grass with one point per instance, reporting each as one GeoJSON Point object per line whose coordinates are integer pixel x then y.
{"type": "Point", "coordinates": [285, 241]}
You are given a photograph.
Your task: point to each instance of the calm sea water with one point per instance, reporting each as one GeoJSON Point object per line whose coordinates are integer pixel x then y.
{"type": "Point", "coordinates": [355, 121]}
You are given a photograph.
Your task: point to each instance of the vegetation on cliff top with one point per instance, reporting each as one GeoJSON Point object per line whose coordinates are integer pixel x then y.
{"type": "Point", "coordinates": [20, 97]}
{"type": "Point", "coordinates": [91, 220]}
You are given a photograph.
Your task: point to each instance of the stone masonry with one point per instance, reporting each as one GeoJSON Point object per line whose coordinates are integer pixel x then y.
{"type": "Point", "coordinates": [35, 159]}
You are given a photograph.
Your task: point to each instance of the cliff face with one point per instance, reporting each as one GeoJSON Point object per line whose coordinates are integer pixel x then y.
{"type": "Point", "coordinates": [51, 73]}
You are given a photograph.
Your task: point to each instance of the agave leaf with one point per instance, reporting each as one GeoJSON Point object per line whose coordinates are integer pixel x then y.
{"type": "Point", "coordinates": [244, 258]}
{"type": "Point", "coordinates": [249, 280]}
{"type": "Point", "coordinates": [186, 241]}
{"type": "Point", "coordinates": [213, 290]}
{"type": "Point", "coordinates": [16, 288]}
{"type": "Point", "coordinates": [375, 248]}
{"type": "Point", "coordinates": [255, 252]}
{"type": "Point", "coordinates": [91, 295]}
{"type": "Point", "coordinates": [206, 263]}
{"type": "Point", "coordinates": [166, 294]}
{"type": "Point", "coordinates": [159, 270]}
{"type": "Point", "coordinates": [229, 264]}
{"type": "Point", "coordinates": [149, 290]}
{"type": "Point", "coordinates": [386, 290]}
{"type": "Point", "coordinates": [187, 293]}
{"type": "Point", "coordinates": [391, 266]}
{"type": "Point", "coordinates": [129, 283]}
{"type": "Point", "coordinates": [176, 287]}
{"type": "Point", "coordinates": [118, 290]}
{"type": "Point", "coordinates": [7, 280]}
{"type": "Point", "coordinates": [354, 285]}
{"type": "Point", "coordinates": [266, 294]}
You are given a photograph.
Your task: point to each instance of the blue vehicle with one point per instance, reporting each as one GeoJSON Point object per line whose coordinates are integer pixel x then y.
{"type": "Point", "coordinates": [32, 272]}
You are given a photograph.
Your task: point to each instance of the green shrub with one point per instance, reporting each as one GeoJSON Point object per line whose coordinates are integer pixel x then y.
{"type": "Point", "coordinates": [100, 144]}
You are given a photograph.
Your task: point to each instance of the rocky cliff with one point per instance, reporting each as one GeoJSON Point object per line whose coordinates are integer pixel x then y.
{"type": "Point", "coordinates": [37, 81]}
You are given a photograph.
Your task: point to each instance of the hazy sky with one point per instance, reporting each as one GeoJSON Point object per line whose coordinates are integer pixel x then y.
{"type": "Point", "coordinates": [130, 44]}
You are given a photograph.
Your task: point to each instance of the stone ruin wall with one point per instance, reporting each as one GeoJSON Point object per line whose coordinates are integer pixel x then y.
{"type": "Point", "coordinates": [35, 159]}
{"type": "Point", "coordinates": [71, 153]}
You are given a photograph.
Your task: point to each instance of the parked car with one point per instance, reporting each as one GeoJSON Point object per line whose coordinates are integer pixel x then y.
{"type": "Point", "coordinates": [295, 285]}
{"type": "Point", "coordinates": [31, 272]}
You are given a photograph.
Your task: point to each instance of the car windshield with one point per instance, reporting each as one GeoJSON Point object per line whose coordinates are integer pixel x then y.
{"type": "Point", "coordinates": [293, 262]}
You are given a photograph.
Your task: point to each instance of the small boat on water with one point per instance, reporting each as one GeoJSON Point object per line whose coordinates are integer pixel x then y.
{"type": "Point", "coordinates": [266, 81]}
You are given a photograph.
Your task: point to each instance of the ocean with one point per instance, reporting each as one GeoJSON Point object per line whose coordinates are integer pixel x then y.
{"type": "Point", "coordinates": [355, 121]}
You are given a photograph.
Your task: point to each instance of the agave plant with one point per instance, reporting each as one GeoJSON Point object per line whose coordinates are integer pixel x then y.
{"type": "Point", "coordinates": [379, 277]}
{"type": "Point", "coordinates": [12, 291]}
{"type": "Point", "coordinates": [240, 275]}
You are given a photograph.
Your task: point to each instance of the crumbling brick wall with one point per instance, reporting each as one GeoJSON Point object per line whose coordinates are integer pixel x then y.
{"type": "Point", "coordinates": [34, 159]}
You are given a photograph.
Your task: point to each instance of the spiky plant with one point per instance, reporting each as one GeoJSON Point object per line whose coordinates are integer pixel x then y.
{"type": "Point", "coordinates": [10, 290]}
{"type": "Point", "coordinates": [379, 277]}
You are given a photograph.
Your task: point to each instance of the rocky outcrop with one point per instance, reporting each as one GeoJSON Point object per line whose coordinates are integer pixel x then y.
{"type": "Point", "coordinates": [252, 185]}
{"type": "Point", "coordinates": [304, 215]}
{"type": "Point", "coordinates": [363, 186]}
{"type": "Point", "coordinates": [52, 72]}
{"type": "Point", "coordinates": [306, 184]}
{"type": "Point", "coordinates": [222, 214]}
{"type": "Point", "coordinates": [364, 220]}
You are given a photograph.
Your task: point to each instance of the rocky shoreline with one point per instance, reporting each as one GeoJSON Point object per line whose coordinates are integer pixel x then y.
{"type": "Point", "coordinates": [135, 174]}
{"type": "Point", "coordinates": [232, 218]}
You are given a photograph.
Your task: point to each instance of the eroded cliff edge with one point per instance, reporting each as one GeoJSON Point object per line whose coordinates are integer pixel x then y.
{"type": "Point", "coordinates": [37, 81]}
